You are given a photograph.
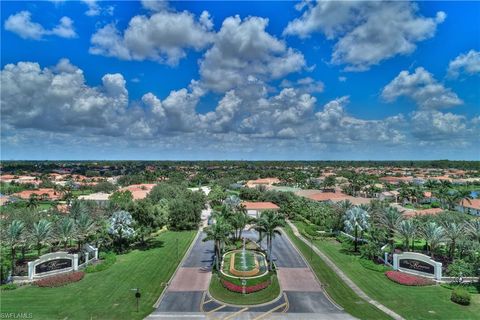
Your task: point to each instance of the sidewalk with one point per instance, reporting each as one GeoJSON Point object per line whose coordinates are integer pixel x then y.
{"type": "Point", "coordinates": [345, 278]}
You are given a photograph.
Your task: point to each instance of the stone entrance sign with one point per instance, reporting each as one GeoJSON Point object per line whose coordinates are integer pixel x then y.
{"type": "Point", "coordinates": [52, 263]}
{"type": "Point", "coordinates": [418, 263]}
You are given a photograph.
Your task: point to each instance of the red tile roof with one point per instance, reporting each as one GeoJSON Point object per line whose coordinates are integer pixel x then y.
{"type": "Point", "coordinates": [260, 205]}
{"type": "Point", "coordinates": [52, 194]}
{"type": "Point", "coordinates": [474, 204]}
{"type": "Point", "coordinates": [139, 191]}
{"type": "Point", "coordinates": [425, 212]}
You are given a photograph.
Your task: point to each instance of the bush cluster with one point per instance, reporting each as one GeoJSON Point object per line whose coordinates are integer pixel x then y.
{"type": "Point", "coordinates": [107, 260]}
{"type": "Point", "coordinates": [460, 296]}
{"type": "Point", "coordinates": [408, 279]}
{"type": "Point", "coordinates": [60, 280]}
{"type": "Point", "coordinates": [8, 286]}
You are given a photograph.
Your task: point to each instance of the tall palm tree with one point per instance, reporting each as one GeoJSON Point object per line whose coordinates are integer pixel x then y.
{"type": "Point", "coordinates": [238, 221]}
{"type": "Point", "coordinates": [77, 209]}
{"type": "Point", "coordinates": [218, 233]}
{"type": "Point", "coordinates": [453, 231]}
{"type": "Point", "coordinates": [356, 220]}
{"type": "Point", "coordinates": [14, 238]}
{"type": "Point", "coordinates": [473, 228]}
{"type": "Point", "coordinates": [41, 233]}
{"type": "Point", "coordinates": [65, 230]}
{"type": "Point", "coordinates": [434, 235]}
{"type": "Point", "coordinates": [84, 228]}
{"type": "Point", "coordinates": [389, 219]}
{"type": "Point", "coordinates": [465, 195]}
{"type": "Point", "coordinates": [32, 201]}
{"type": "Point", "coordinates": [407, 230]}
{"type": "Point", "coordinates": [232, 201]}
{"type": "Point", "coordinates": [268, 223]}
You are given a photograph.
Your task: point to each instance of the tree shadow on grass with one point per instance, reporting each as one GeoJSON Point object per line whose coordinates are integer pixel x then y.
{"type": "Point", "coordinates": [151, 243]}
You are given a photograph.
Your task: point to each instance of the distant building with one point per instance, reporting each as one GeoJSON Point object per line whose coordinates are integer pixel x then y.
{"type": "Point", "coordinates": [139, 191]}
{"type": "Point", "coordinates": [46, 193]}
{"type": "Point", "coordinates": [262, 182]}
{"type": "Point", "coordinates": [255, 209]}
{"type": "Point", "coordinates": [472, 207]}
{"type": "Point", "coordinates": [99, 197]}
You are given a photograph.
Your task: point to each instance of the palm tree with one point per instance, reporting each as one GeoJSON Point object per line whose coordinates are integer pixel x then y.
{"type": "Point", "coordinates": [238, 221]}
{"type": "Point", "coordinates": [390, 218]}
{"type": "Point", "coordinates": [268, 223]}
{"type": "Point", "coordinates": [218, 233]}
{"type": "Point", "coordinates": [41, 233]}
{"type": "Point", "coordinates": [356, 220]}
{"type": "Point", "coordinates": [66, 230]}
{"type": "Point", "coordinates": [407, 230]}
{"type": "Point", "coordinates": [85, 226]}
{"type": "Point", "coordinates": [473, 228]}
{"type": "Point", "coordinates": [232, 201]}
{"type": "Point", "coordinates": [14, 238]}
{"type": "Point", "coordinates": [453, 231]}
{"type": "Point", "coordinates": [434, 235]}
{"type": "Point", "coordinates": [464, 195]}
{"type": "Point", "coordinates": [77, 209]}
{"type": "Point", "coordinates": [32, 201]}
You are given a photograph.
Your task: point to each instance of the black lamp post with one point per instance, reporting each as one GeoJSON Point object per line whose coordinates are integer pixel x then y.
{"type": "Point", "coordinates": [137, 296]}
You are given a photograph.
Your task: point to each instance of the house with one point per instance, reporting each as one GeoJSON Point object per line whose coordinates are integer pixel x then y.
{"type": "Point", "coordinates": [42, 193]}
{"type": "Point", "coordinates": [98, 197]}
{"type": "Point", "coordinates": [472, 207]}
{"type": "Point", "coordinates": [267, 182]}
{"type": "Point", "coordinates": [424, 212]}
{"type": "Point", "coordinates": [139, 191]}
{"type": "Point", "coordinates": [389, 195]}
{"type": "Point", "coordinates": [254, 209]}
{"type": "Point", "coordinates": [334, 197]}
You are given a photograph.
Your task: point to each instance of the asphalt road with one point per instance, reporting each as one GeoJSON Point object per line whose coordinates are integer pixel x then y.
{"type": "Point", "coordinates": [201, 255]}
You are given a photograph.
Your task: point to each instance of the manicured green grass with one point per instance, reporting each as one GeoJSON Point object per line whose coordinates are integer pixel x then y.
{"type": "Point", "coordinates": [244, 261]}
{"type": "Point", "coordinates": [432, 302]}
{"type": "Point", "coordinates": [106, 294]}
{"type": "Point", "coordinates": [335, 287]}
{"type": "Point", "coordinates": [219, 292]}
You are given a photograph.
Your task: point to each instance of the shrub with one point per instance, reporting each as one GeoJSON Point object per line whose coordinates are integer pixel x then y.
{"type": "Point", "coordinates": [369, 264]}
{"type": "Point", "coordinates": [408, 279]}
{"type": "Point", "coordinates": [107, 260]}
{"type": "Point", "coordinates": [460, 296]}
{"type": "Point", "coordinates": [248, 289]}
{"type": "Point", "coordinates": [60, 280]}
{"type": "Point", "coordinates": [8, 286]}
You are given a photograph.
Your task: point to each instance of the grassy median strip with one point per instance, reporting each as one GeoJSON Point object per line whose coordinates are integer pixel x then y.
{"type": "Point", "coordinates": [335, 287]}
{"type": "Point", "coordinates": [219, 292]}
{"type": "Point", "coordinates": [106, 294]}
{"type": "Point", "coordinates": [431, 302]}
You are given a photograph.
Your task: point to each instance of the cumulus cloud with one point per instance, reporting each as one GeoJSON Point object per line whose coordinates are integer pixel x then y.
{"type": "Point", "coordinates": [468, 63]}
{"type": "Point", "coordinates": [155, 5]}
{"type": "Point", "coordinates": [57, 106]}
{"type": "Point", "coordinates": [422, 87]}
{"type": "Point", "coordinates": [242, 50]}
{"type": "Point", "coordinates": [366, 32]}
{"type": "Point", "coordinates": [163, 37]}
{"type": "Point", "coordinates": [21, 23]}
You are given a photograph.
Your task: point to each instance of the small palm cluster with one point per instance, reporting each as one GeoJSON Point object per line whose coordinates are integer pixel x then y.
{"type": "Point", "coordinates": [78, 226]}
{"type": "Point", "coordinates": [232, 220]}
{"type": "Point", "coordinates": [385, 223]}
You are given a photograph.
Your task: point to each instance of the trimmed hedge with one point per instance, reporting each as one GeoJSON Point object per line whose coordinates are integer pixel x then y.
{"type": "Point", "coordinates": [460, 296]}
{"type": "Point", "coordinates": [107, 260]}
{"type": "Point", "coordinates": [370, 265]}
{"type": "Point", "coordinates": [248, 289]}
{"type": "Point", "coordinates": [8, 286]}
{"type": "Point", "coordinates": [61, 279]}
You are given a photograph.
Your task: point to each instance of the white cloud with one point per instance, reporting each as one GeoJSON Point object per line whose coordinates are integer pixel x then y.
{"type": "Point", "coordinates": [155, 5]}
{"type": "Point", "coordinates": [468, 63]}
{"type": "Point", "coordinates": [432, 125]}
{"type": "Point", "coordinates": [162, 37]}
{"type": "Point", "coordinates": [93, 8]}
{"type": "Point", "coordinates": [366, 32]}
{"type": "Point", "coordinates": [243, 49]}
{"type": "Point", "coordinates": [21, 23]}
{"type": "Point", "coordinates": [422, 87]}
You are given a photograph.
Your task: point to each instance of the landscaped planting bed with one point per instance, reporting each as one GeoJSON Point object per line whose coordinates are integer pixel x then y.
{"type": "Point", "coordinates": [61, 279]}
{"type": "Point", "coordinates": [408, 279]}
{"type": "Point", "coordinates": [248, 289]}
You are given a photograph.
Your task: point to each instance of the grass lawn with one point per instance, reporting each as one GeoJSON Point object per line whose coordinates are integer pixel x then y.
{"type": "Point", "coordinates": [219, 292]}
{"type": "Point", "coordinates": [106, 294]}
{"type": "Point", "coordinates": [432, 302]}
{"type": "Point", "coordinates": [335, 287]}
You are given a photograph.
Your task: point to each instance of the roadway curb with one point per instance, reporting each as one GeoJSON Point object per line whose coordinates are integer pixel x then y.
{"type": "Point", "coordinates": [157, 303]}
{"type": "Point", "coordinates": [314, 274]}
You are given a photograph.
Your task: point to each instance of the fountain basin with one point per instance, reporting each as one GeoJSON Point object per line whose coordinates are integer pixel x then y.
{"type": "Point", "coordinates": [244, 264]}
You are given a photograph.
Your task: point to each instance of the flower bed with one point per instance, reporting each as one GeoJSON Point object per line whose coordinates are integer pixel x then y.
{"type": "Point", "coordinates": [248, 289]}
{"type": "Point", "coordinates": [60, 280]}
{"type": "Point", "coordinates": [408, 279]}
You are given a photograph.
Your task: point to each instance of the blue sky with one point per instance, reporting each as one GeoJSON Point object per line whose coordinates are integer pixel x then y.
{"type": "Point", "coordinates": [240, 80]}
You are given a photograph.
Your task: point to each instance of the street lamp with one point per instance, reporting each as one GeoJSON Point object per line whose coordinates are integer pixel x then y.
{"type": "Point", "coordinates": [137, 295]}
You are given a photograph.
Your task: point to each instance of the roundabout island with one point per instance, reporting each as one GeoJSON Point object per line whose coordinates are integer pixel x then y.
{"type": "Point", "coordinates": [244, 278]}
